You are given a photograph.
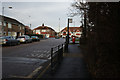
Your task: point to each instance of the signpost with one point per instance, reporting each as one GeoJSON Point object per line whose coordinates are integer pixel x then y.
{"type": "Point", "coordinates": [67, 38]}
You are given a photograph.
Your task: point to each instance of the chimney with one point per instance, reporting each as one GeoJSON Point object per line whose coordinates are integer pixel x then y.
{"type": "Point", "coordinates": [43, 24]}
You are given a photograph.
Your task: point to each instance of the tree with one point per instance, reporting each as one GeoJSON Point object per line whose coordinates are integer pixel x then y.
{"type": "Point", "coordinates": [102, 29]}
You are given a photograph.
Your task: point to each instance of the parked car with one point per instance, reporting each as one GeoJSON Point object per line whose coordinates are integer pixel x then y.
{"type": "Point", "coordinates": [35, 38]}
{"type": "Point", "coordinates": [57, 37]}
{"type": "Point", "coordinates": [9, 40]}
{"type": "Point", "coordinates": [24, 39]}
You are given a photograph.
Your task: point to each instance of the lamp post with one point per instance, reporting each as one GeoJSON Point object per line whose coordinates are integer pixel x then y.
{"type": "Point", "coordinates": [30, 23]}
{"type": "Point", "coordinates": [59, 24]}
{"type": "Point", "coordinates": [3, 8]}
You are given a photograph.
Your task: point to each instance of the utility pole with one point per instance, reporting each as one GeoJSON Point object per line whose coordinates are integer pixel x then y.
{"type": "Point", "coordinates": [30, 23]}
{"type": "Point", "coordinates": [59, 24]}
{"type": "Point", "coordinates": [68, 32]}
{"type": "Point", "coordinates": [2, 21]}
{"type": "Point", "coordinates": [3, 8]}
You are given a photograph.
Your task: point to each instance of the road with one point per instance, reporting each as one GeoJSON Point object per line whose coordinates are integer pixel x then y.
{"type": "Point", "coordinates": [23, 59]}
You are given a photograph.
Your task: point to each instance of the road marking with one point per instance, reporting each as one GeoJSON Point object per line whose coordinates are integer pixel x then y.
{"type": "Point", "coordinates": [30, 75]}
{"type": "Point", "coordinates": [17, 76]}
{"type": "Point", "coordinates": [43, 72]}
{"type": "Point", "coordinates": [34, 72]}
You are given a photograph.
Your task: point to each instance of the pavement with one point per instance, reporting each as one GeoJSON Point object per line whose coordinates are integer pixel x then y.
{"type": "Point", "coordinates": [72, 66]}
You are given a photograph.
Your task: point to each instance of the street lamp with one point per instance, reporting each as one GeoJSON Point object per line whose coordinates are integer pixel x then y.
{"type": "Point", "coordinates": [30, 23]}
{"type": "Point", "coordinates": [3, 8]}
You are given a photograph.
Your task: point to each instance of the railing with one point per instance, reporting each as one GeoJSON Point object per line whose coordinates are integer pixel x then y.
{"type": "Point", "coordinates": [57, 55]}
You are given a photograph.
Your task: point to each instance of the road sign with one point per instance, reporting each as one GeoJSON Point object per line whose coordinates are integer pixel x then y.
{"type": "Point", "coordinates": [70, 20]}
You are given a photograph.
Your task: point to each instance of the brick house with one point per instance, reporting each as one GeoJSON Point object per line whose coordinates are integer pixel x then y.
{"type": "Point", "coordinates": [73, 31]}
{"type": "Point", "coordinates": [47, 32]}
{"type": "Point", "coordinates": [12, 27]}
{"type": "Point", "coordinates": [28, 30]}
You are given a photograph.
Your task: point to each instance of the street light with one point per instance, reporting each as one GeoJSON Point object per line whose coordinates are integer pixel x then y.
{"type": "Point", "coordinates": [30, 22]}
{"type": "Point", "coordinates": [3, 8]}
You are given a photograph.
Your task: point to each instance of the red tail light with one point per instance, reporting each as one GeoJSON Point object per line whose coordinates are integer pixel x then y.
{"type": "Point", "coordinates": [24, 38]}
{"type": "Point", "coordinates": [6, 40]}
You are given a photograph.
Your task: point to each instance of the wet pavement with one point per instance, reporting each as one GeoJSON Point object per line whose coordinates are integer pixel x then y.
{"type": "Point", "coordinates": [72, 65]}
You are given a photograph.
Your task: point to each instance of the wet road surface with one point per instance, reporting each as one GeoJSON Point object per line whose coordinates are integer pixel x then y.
{"type": "Point", "coordinates": [21, 60]}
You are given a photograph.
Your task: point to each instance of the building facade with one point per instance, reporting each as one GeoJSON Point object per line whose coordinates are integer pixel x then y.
{"type": "Point", "coordinates": [12, 27]}
{"type": "Point", "coordinates": [28, 30]}
{"type": "Point", "coordinates": [47, 32]}
{"type": "Point", "coordinates": [73, 31]}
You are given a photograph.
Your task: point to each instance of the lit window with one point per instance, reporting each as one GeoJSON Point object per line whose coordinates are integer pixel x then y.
{"type": "Point", "coordinates": [9, 25]}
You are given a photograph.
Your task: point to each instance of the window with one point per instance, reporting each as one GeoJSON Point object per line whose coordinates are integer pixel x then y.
{"type": "Point", "coordinates": [20, 27]}
{"type": "Point", "coordinates": [4, 24]}
{"type": "Point", "coordinates": [9, 25]}
{"type": "Point", "coordinates": [43, 30]}
{"type": "Point", "coordinates": [14, 34]}
{"type": "Point", "coordinates": [0, 23]}
{"type": "Point", "coordinates": [37, 31]}
{"type": "Point", "coordinates": [33, 30]}
{"type": "Point", "coordinates": [9, 33]}
{"type": "Point", "coordinates": [20, 34]}
{"type": "Point", "coordinates": [23, 27]}
{"type": "Point", "coordinates": [48, 30]}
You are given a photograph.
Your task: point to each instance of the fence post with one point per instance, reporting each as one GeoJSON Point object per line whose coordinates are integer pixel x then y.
{"type": "Point", "coordinates": [58, 54]}
{"type": "Point", "coordinates": [66, 47]}
{"type": "Point", "coordinates": [62, 52]}
{"type": "Point", "coordinates": [51, 58]}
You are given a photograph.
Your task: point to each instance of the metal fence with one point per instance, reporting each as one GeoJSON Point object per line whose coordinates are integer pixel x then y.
{"type": "Point", "coordinates": [57, 55]}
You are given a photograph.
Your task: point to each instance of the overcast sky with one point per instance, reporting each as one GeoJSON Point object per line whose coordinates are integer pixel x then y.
{"type": "Point", "coordinates": [36, 13]}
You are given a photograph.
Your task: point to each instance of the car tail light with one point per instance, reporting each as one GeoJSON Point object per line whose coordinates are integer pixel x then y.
{"type": "Point", "coordinates": [24, 38]}
{"type": "Point", "coordinates": [6, 40]}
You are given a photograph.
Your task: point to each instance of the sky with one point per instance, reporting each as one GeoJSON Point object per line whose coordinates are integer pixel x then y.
{"type": "Point", "coordinates": [52, 14]}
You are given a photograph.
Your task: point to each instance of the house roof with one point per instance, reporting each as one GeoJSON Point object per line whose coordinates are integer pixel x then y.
{"type": "Point", "coordinates": [43, 27]}
{"type": "Point", "coordinates": [72, 29]}
{"type": "Point", "coordinates": [27, 27]}
{"type": "Point", "coordinates": [11, 20]}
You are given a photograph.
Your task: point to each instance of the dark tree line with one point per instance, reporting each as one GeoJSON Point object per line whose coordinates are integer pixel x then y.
{"type": "Point", "coordinates": [103, 38]}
